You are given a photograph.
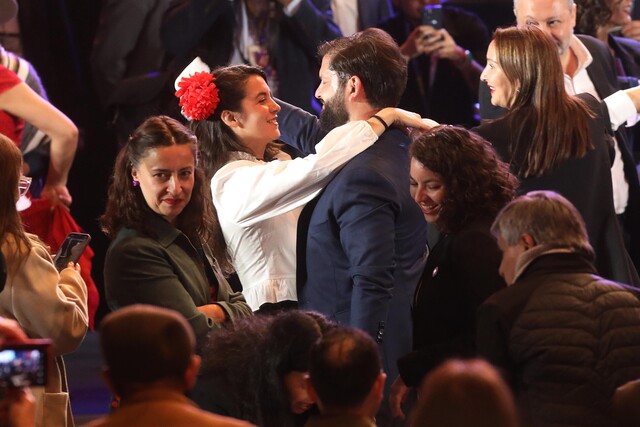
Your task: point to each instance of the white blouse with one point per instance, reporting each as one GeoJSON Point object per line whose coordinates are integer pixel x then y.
{"type": "Point", "coordinates": [258, 205]}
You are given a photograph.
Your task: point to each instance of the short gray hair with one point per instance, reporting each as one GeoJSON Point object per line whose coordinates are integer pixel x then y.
{"type": "Point", "coordinates": [570, 4]}
{"type": "Point", "coordinates": [548, 217]}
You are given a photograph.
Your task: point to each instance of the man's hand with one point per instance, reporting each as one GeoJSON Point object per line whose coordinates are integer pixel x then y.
{"type": "Point", "coordinates": [441, 44]}
{"type": "Point", "coordinates": [22, 408]}
{"type": "Point", "coordinates": [425, 39]}
{"type": "Point", "coordinates": [398, 394]}
{"type": "Point", "coordinates": [10, 330]}
{"type": "Point", "coordinates": [415, 43]}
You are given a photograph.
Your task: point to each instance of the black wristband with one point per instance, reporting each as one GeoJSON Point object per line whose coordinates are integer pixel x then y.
{"type": "Point", "coordinates": [378, 118]}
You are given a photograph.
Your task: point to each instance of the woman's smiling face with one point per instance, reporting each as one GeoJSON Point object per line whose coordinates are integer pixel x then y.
{"type": "Point", "coordinates": [499, 85]}
{"type": "Point", "coordinates": [427, 189]}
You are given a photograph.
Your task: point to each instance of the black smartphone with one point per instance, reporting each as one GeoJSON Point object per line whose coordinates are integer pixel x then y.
{"type": "Point", "coordinates": [25, 364]}
{"type": "Point", "coordinates": [71, 249]}
{"type": "Point", "coordinates": [432, 15]}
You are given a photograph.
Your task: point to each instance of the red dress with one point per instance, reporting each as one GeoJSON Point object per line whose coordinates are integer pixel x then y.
{"type": "Point", "coordinates": [10, 126]}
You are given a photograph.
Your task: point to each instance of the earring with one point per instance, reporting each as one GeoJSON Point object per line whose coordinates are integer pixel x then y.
{"type": "Point", "coordinates": [135, 183]}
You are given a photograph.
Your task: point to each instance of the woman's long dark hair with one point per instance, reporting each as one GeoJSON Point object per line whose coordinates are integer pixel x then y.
{"type": "Point", "coordinates": [126, 206]}
{"type": "Point", "coordinates": [548, 126]}
{"type": "Point", "coordinates": [10, 222]}
{"type": "Point", "coordinates": [477, 183]}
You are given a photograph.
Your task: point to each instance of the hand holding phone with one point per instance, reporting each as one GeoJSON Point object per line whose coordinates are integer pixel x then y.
{"type": "Point", "coordinates": [71, 250]}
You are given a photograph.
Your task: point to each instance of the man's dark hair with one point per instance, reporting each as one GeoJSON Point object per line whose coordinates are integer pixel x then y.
{"type": "Point", "coordinates": [343, 367]}
{"type": "Point", "coordinates": [375, 58]}
{"type": "Point", "coordinates": [142, 344]}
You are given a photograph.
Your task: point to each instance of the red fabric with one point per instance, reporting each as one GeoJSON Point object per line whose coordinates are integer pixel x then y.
{"type": "Point", "coordinates": [10, 126]}
{"type": "Point", "coordinates": [52, 227]}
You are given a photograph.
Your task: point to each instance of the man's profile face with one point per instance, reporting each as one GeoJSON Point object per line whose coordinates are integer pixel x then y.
{"type": "Point", "coordinates": [554, 17]}
{"type": "Point", "coordinates": [331, 94]}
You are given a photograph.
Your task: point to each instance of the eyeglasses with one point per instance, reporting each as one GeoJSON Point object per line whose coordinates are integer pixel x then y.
{"type": "Point", "coordinates": [24, 184]}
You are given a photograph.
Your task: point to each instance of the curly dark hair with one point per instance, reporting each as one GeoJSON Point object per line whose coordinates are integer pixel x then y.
{"type": "Point", "coordinates": [249, 359]}
{"type": "Point", "coordinates": [591, 15]}
{"type": "Point", "coordinates": [478, 184]}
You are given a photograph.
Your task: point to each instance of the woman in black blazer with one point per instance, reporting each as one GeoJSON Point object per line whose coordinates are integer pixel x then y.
{"type": "Point", "coordinates": [460, 184]}
{"type": "Point", "coordinates": [554, 141]}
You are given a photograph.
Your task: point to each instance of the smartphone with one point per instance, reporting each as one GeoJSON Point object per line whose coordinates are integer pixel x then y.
{"type": "Point", "coordinates": [71, 249]}
{"type": "Point", "coordinates": [432, 15]}
{"type": "Point", "coordinates": [25, 364]}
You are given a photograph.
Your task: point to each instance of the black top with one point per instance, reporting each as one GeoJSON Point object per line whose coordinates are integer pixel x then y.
{"type": "Point", "coordinates": [461, 272]}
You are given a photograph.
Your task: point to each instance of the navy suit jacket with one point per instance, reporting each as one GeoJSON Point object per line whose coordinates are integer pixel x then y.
{"type": "Point", "coordinates": [365, 239]}
{"type": "Point", "coordinates": [603, 74]}
{"type": "Point", "coordinates": [371, 12]}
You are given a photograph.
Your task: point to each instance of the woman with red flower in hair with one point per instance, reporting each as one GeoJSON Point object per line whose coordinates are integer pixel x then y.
{"type": "Point", "coordinates": [160, 222]}
{"type": "Point", "coordinates": [258, 190]}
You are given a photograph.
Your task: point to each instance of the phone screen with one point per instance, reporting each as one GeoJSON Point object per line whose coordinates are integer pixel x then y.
{"type": "Point", "coordinates": [24, 364]}
{"type": "Point", "coordinates": [71, 249]}
{"type": "Point", "coordinates": [432, 15]}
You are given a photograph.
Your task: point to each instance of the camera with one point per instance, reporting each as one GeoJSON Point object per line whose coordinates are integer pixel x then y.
{"type": "Point", "coordinates": [25, 364]}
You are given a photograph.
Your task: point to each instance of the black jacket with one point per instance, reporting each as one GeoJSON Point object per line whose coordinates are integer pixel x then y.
{"type": "Point", "coordinates": [565, 337]}
{"type": "Point", "coordinates": [603, 74]}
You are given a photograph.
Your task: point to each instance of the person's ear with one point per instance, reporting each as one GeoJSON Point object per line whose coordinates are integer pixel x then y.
{"type": "Point", "coordinates": [191, 374]}
{"type": "Point", "coordinates": [354, 88]}
{"type": "Point", "coordinates": [134, 174]}
{"type": "Point", "coordinates": [378, 386]}
{"type": "Point", "coordinates": [230, 118]}
{"type": "Point", "coordinates": [527, 241]}
{"type": "Point", "coordinates": [106, 377]}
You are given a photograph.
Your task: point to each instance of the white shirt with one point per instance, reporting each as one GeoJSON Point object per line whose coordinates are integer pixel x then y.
{"type": "Point", "coordinates": [621, 110]}
{"type": "Point", "coordinates": [258, 206]}
{"type": "Point", "coordinates": [345, 14]}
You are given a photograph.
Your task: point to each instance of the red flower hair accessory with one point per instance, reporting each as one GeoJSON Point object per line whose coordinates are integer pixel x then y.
{"type": "Point", "coordinates": [198, 95]}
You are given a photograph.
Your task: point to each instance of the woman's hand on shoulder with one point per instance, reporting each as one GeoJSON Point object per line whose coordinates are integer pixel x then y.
{"type": "Point", "coordinates": [405, 118]}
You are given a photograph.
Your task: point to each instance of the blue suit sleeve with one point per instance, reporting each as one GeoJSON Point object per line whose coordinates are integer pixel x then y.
{"type": "Point", "coordinates": [298, 128]}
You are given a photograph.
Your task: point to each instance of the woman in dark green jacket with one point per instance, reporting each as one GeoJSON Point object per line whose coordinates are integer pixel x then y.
{"type": "Point", "coordinates": [161, 220]}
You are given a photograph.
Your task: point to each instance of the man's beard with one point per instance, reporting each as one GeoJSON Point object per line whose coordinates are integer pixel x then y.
{"type": "Point", "coordinates": [334, 113]}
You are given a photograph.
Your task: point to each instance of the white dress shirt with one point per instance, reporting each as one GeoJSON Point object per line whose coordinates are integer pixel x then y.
{"type": "Point", "coordinates": [621, 110]}
{"type": "Point", "coordinates": [258, 205]}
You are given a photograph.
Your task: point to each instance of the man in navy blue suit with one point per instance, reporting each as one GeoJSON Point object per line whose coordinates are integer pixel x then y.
{"type": "Point", "coordinates": [361, 242]}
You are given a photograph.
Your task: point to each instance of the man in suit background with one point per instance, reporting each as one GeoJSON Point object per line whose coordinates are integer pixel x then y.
{"type": "Point", "coordinates": [444, 60]}
{"type": "Point", "coordinates": [588, 67]}
{"type": "Point", "coordinates": [361, 242]}
{"type": "Point", "coordinates": [281, 36]}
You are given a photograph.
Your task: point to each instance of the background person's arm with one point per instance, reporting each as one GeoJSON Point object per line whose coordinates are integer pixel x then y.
{"type": "Point", "coordinates": [21, 101]}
